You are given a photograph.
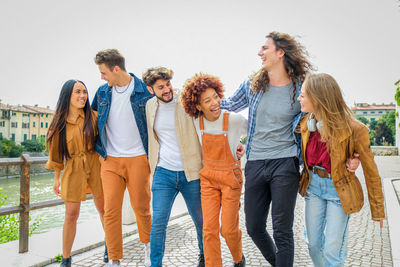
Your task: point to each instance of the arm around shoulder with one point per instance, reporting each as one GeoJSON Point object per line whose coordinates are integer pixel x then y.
{"type": "Point", "coordinates": [239, 100]}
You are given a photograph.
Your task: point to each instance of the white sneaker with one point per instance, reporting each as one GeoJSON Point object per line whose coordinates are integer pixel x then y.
{"type": "Point", "coordinates": [111, 263]}
{"type": "Point", "coordinates": [147, 261]}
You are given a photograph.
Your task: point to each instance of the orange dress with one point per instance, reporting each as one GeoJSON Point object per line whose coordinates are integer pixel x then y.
{"type": "Point", "coordinates": [82, 170]}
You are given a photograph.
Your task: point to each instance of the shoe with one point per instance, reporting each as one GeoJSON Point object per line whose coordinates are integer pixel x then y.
{"type": "Point", "coordinates": [105, 257]}
{"type": "Point", "coordinates": [111, 263]}
{"type": "Point", "coordinates": [147, 261]}
{"type": "Point", "coordinates": [242, 263]}
{"type": "Point", "coordinates": [66, 262]}
{"type": "Point", "coordinates": [201, 261]}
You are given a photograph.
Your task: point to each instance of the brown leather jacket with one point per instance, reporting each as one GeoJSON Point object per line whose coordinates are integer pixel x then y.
{"type": "Point", "coordinates": [346, 183]}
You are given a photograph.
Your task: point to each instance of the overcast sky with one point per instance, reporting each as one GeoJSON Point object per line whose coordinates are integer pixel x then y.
{"type": "Point", "coordinates": [46, 42]}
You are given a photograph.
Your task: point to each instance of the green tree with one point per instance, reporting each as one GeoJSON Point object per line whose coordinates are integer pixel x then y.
{"type": "Point", "coordinates": [372, 138]}
{"type": "Point", "coordinates": [33, 146]}
{"type": "Point", "coordinates": [390, 120]}
{"type": "Point", "coordinates": [372, 125]}
{"type": "Point", "coordinates": [397, 94]}
{"type": "Point", "coordinates": [383, 134]}
{"type": "Point", "coordinates": [10, 148]}
{"type": "Point", "coordinates": [363, 120]}
{"type": "Point", "coordinates": [9, 224]}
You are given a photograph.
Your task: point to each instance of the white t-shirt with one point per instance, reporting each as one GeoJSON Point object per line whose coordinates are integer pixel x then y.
{"type": "Point", "coordinates": [237, 127]}
{"type": "Point", "coordinates": [123, 138]}
{"type": "Point", "coordinates": [164, 126]}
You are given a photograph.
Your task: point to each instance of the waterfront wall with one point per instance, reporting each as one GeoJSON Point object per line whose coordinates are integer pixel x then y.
{"type": "Point", "coordinates": [14, 171]}
{"type": "Point", "coordinates": [385, 150]}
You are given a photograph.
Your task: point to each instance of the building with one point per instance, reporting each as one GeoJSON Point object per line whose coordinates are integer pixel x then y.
{"type": "Point", "coordinates": [24, 122]}
{"type": "Point", "coordinates": [372, 112]}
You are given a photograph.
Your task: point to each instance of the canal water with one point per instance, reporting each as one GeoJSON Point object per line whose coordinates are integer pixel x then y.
{"type": "Point", "coordinates": [41, 190]}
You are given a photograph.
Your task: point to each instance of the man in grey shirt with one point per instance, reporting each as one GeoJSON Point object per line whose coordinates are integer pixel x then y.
{"type": "Point", "coordinates": [271, 171]}
{"type": "Point", "coordinates": [274, 137]}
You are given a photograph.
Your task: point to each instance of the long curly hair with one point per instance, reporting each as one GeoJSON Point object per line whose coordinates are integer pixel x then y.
{"type": "Point", "coordinates": [295, 61]}
{"type": "Point", "coordinates": [194, 87]}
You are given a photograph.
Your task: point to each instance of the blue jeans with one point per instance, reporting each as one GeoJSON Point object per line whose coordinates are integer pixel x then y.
{"type": "Point", "coordinates": [166, 185]}
{"type": "Point", "coordinates": [326, 223]}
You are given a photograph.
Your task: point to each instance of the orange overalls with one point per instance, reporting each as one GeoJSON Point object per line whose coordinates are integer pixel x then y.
{"type": "Point", "coordinates": [221, 186]}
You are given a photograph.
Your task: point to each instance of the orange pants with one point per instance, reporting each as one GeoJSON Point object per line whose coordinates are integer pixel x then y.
{"type": "Point", "coordinates": [221, 187]}
{"type": "Point", "coordinates": [117, 174]}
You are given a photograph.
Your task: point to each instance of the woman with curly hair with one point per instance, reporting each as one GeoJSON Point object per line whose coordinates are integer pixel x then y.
{"type": "Point", "coordinates": [71, 139]}
{"type": "Point", "coordinates": [221, 176]}
{"type": "Point", "coordinates": [330, 134]}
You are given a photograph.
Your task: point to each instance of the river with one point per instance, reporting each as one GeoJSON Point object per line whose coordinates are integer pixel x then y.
{"type": "Point", "coordinates": [42, 189]}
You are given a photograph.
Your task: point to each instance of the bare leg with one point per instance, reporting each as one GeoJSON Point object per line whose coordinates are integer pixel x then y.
{"type": "Point", "coordinates": [99, 203]}
{"type": "Point", "coordinates": [69, 229]}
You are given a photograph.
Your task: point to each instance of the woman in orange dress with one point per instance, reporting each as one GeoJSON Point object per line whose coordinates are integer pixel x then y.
{"type": "Point", "coordinates": [71, 139]}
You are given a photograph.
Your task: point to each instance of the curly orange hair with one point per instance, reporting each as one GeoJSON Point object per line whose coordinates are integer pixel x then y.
{"type": "Point", "coordinates": [193, 89]}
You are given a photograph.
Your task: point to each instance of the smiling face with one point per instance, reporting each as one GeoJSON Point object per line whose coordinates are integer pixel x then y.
{"type": "Point", "coordinates": [78, 96]}
{"type": "Point", "coordinates": [110, 76]}
{"type": "Point", "coordinates": [305, 101]}
{"type": "Point", "coordinates": [163, 90]}
{"type": "Point", "coordinates": [269, 55]}
{"type": "Point", "coordinates": [210, 104]}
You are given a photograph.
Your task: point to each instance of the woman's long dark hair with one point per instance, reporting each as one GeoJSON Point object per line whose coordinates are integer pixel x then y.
{"type": "Point", "coordinates": [58, 124]}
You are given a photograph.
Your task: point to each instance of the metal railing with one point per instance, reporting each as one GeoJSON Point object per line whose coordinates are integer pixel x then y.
{"type": "Point", "coordinates": [25, 161]}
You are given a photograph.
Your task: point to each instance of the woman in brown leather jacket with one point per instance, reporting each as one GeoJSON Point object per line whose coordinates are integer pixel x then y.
{"type": "Point", "coordinates": [329, 136]}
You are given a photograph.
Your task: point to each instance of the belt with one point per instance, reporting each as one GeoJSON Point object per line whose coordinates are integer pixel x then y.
{"type": "Point", "coordinates": [321, 173]}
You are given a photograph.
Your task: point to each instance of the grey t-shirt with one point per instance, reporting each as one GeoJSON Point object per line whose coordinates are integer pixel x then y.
{"type": "Point", "coordinates": [273, 135]}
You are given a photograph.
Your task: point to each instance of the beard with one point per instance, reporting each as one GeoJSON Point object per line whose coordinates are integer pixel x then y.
{"type": "Point", "coordinates": [164, 100]}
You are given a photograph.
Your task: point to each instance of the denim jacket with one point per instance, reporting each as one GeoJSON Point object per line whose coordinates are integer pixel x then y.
{"type": "Point", "coordinates": [102, 102]}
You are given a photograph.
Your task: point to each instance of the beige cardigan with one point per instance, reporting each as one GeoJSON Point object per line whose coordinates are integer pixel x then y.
{"type": "Point", "coordinates": [188, 142]}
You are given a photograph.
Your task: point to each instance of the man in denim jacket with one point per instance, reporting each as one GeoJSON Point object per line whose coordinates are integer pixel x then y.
{"type": "Point", "coordinates": [122, 145]}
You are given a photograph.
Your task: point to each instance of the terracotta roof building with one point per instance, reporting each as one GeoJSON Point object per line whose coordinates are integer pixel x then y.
{"type": "Point", "coordinates": [23, 122]}
{"type": "Point", "coordinates": [372, 112]}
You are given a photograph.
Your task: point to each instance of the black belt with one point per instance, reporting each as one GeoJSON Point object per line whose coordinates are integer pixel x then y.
{"type": "Point", "coordinates": [321, 173]}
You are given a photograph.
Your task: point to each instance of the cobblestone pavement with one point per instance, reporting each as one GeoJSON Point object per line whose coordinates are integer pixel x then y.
{"type": "Point", "coordinates": [368, 244]}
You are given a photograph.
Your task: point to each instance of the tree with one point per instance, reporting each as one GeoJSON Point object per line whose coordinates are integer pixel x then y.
{"type": "Point", "coordinates": [16, 151]}
{"type": "Point", "coordinates": [372, 138]}
{"type": "Point", "coordinates": [390, 120]}
{"type": "Point", "coordinates": [33, 146]}
{"type": "Point", "coordinates": [10, 149]}
{"type": "Point", "coordinates": [9, 224]}
{"type": "Point", "coordinates": [363, 120]}
{"type": "Point", "coordinates": [372, 125]}
{"type": "Point", "coordinates": [383, 134]}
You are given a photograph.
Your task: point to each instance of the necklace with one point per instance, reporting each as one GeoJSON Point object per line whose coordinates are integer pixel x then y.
{"type": "Point", "coordinates": [124, 90]}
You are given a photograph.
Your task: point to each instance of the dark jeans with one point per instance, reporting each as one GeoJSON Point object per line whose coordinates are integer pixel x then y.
{"type": "Point", "coordinates": [276, 181]}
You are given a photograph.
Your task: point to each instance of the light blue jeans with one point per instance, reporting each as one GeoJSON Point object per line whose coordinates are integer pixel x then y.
{"type": "Point", "coordinates": [166, 185]}
{"type": "Point", "coordinates": [326, 223]}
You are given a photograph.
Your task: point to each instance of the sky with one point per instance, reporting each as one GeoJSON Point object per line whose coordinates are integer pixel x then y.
{"type": "Point", "coordinates": [45, 42]}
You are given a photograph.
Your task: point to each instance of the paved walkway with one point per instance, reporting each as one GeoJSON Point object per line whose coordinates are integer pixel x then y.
{"type": "Point", "coordinates": [368, 244]}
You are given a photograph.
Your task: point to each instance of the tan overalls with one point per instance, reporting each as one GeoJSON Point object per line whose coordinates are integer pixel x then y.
{"type": "Point", "coordinates": [221, 187]}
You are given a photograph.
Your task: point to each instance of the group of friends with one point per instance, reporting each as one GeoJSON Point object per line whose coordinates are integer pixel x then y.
{"type": "Point", "coordinates": [145, 136]}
